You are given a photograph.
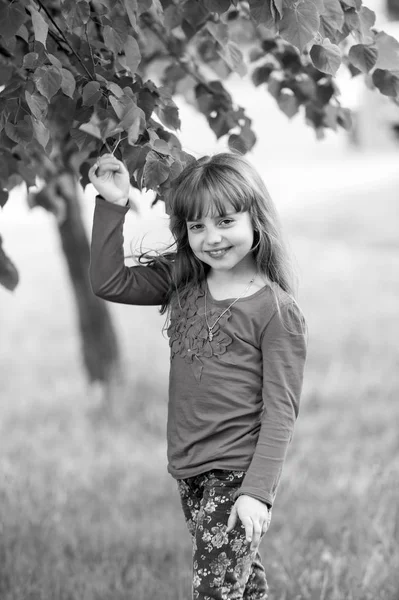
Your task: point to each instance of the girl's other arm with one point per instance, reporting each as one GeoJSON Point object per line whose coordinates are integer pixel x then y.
{"type": "Point", "coordinates": [284, 355]}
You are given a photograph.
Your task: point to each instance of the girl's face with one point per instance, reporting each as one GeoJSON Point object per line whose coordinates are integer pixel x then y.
{"type": "Point", "coordinates": [223, 242]}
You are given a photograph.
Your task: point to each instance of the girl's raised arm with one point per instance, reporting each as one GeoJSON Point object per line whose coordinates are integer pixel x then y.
{"type": "Point", "coordinates": [110, 278]}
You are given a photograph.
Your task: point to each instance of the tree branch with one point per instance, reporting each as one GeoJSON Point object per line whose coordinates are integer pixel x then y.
{"type": "Point", "coordinates": [90, 48]}
{"type": "Point", "coordinates": [156, 29]}
{"type": "Point", "coordinates": [40, 3]}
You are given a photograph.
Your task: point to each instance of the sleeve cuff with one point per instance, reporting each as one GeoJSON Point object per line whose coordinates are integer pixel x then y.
{"type": "Point", "coordinates": [265, 498]}
{"type": "Point", "coordinates": [115, 207]}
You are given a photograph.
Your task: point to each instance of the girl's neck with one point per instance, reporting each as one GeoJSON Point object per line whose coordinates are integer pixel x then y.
{"type": "Point", "coordinates": [223, 278]}
{"type": "Point", "coordinates": [241, 274]}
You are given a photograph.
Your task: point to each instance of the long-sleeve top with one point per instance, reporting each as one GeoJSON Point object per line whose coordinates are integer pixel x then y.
{"type": "Point", "coordinates": [233, 400]}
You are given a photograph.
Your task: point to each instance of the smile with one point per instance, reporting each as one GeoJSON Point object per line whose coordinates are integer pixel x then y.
{"type": "Point", "coordinates": [217, 253]}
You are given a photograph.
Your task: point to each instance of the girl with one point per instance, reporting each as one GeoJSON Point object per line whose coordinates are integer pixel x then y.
{"type": "Point", "coordinates": [237, 342]}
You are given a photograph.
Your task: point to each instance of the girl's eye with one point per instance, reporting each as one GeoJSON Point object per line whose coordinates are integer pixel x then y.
{"type": "Point", "coordinates": [226, 221]}
{"type": "Point", "coordinates": [195, 227]}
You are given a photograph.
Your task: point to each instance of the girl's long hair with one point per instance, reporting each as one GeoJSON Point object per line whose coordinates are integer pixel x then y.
{"type": "Point", "coordinates": [214, 184]}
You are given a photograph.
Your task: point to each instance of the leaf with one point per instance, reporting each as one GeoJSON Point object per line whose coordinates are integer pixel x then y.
{"type": "Point", "coordinates": [75, 13]}
{"type": "Point", "coordinates": [195, 14]}
{"type": "Point", "coordinates": [37, 104]}
{"type": "Point", "coordinates": [134, 157]}
{"type": "Point", "coordinates": [41, 133]}
{"type": "Point", "coordinates": [156, 170]}
{"type": "Point", "coordinates": [3, 197]}
{"type": "Point", "coordinates": [8, 166]}
{"type": "Point", "coordinates": [219, 31]}
{"type": "Point", "coordinates": [326, 58]}
{"type": "Point", "coordinates": [300, 24]}
{"type": "Point", "coordinates": [388, 51]}
{"type": "Point", "coordinates": [23, 33]}
{"type": "Point", "coordinates": [132, 54]}
{"type": "Point", "coordinates": [92, 127]}
{"type": "Point", "coordinates": [386, 82]}
{"type": "Point", "coordinates": [130, 113]}
{"type": "Point", "coordinates": [28, 173]}
{"type": "Point", "coordinates": [344, 118]}
{"type": "Point", "coordinates": [48, 80]}
{"type": "Point", "coordinates": [131, 9]}
{"type": "Point", "coordinates": [21, 133]}
{"type": "Point", "coordinates": [304, 88]}
{"type": "Point", "coordinates": [261, 13]}
{"type": "Point", "coordinates": [288, 102]}
{"type": "Point", "coordinates": [169, 116]}
{"type": "Point", "coordinates": [118, 105]}
{"type": "Point", "coordinates": [162, 147]}
{"type": "Point", "coordinates": [261, 74]}
{"type": "Point", "coordinates": [143, 5]}
{"type": "Point", "coordinates": [31, 60]}
{"type": "Point", "coordinates": [233, 56]}
{"type": "Point", "coordinates": [112, 39]}
{"type": "Point", "coordinates": [83, 140]}
{"type": "Point", "coordinates": [8, 273]}
{"type": "Point", "coordinates": [12, 16]}
{"type": "Point", "coordinates": [242, 142]}
{"type": "Point", "coordinates": [363, 57]}
{"type": "Point", "coordinates": [55, 61]}
{"type": "Point", "coordinates": [367, 21]}
{"type": "Point", "coordinates": [173, 16]}
{"type": "Point", "coordinates": [350, 3]}
{"type": "Point", "coordinates": [278, 5]}
{"type": "Point", "coordinates": [175, 169]}
{"type": "Point", "coordinates": [91, 93]}
{"type": "Point", "coordinates": [333, 15]}
{"type": "Point", "coordinates": [331, 117]}
{"type": "Point", "coordinates": [40, 27]}
{"type": "Point", "coordinates": [324, 91]}
{"type": "Point", "coordinates": [133, 121]}
{"type": "Point", "coordinates": [255, 54]}
{"type": "Point", "coordinates": [217, 6]}
{"type": "Point", "coordinates": [68, 83]}
{"type": "Point", "coordinates": [146, 100]}
{"type": "Point", "coordinates": [115, 89]}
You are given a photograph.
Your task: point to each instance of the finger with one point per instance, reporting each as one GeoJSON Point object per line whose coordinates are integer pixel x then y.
{"type": "Point", "coordinates": [110, 160]}
{"type": "Point", "coordinates": [112, 164]}
{"type": "Point", "coordinates": [232, 519]}
{"type": "Point", "coordinates": [103, 168]}
{"type": "Point", "coordinates": [105, 163]}
{"type": "Point", "coordinates": [106, 155]}
{"type": "Point", "coordinates": [256, 536]}
{"type": "Point", "coordinates": [93, 172]}
{"type": "Point", "coordinates": [248, 525]}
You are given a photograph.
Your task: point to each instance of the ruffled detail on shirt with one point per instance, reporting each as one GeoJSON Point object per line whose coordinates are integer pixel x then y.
{"type": "Point", "coordinates": [188, 331]}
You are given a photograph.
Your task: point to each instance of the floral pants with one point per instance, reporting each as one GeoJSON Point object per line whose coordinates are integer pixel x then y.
{"type": "Point", "coordinates": [224, 568]}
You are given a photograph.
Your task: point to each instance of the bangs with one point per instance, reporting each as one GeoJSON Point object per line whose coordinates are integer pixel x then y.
{"type": "Point", "coordinates": [210, 191]}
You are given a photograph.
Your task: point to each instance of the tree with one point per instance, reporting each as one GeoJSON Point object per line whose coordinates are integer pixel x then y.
{"type": "Point", "coordinates": [74, 84]}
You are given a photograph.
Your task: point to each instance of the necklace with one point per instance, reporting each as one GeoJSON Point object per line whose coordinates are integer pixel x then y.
{"type": "Point", "coordinates": [210, 327]}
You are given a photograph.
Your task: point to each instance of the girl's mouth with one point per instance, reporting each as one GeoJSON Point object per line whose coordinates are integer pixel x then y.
{"type": "Point", "coordinates": [218, 253]}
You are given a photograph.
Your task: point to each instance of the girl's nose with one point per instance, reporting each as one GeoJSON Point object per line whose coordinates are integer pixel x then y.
{"type": "Point", "coordinates": [213, 237]}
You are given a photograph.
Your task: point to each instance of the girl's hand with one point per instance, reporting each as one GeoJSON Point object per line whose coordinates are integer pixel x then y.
{"type": "Point", "coordinates": [111, 179]}
{"type": "Point", "coordinates": [254, 515]}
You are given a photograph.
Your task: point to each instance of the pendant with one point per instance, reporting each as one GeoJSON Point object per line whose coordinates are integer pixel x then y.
{"type": "Point", "coordinates": [210, 334]}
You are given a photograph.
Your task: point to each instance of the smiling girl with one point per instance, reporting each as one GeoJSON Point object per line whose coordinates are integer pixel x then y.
{"type": "Point", "coordinates": [238, 347]}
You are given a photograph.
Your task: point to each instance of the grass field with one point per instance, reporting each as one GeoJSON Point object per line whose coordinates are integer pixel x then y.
{"type": "Point", "coordinates": [87, 509]}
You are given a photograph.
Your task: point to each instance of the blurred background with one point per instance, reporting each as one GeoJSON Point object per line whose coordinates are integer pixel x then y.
{"type": "Point", "coordinates": [88, 510]}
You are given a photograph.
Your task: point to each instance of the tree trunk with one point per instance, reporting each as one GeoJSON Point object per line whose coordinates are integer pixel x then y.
{"type": "Point", "coordinates": [393, 9]}
{"type": "Point", "coordinates": [99, 342]}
